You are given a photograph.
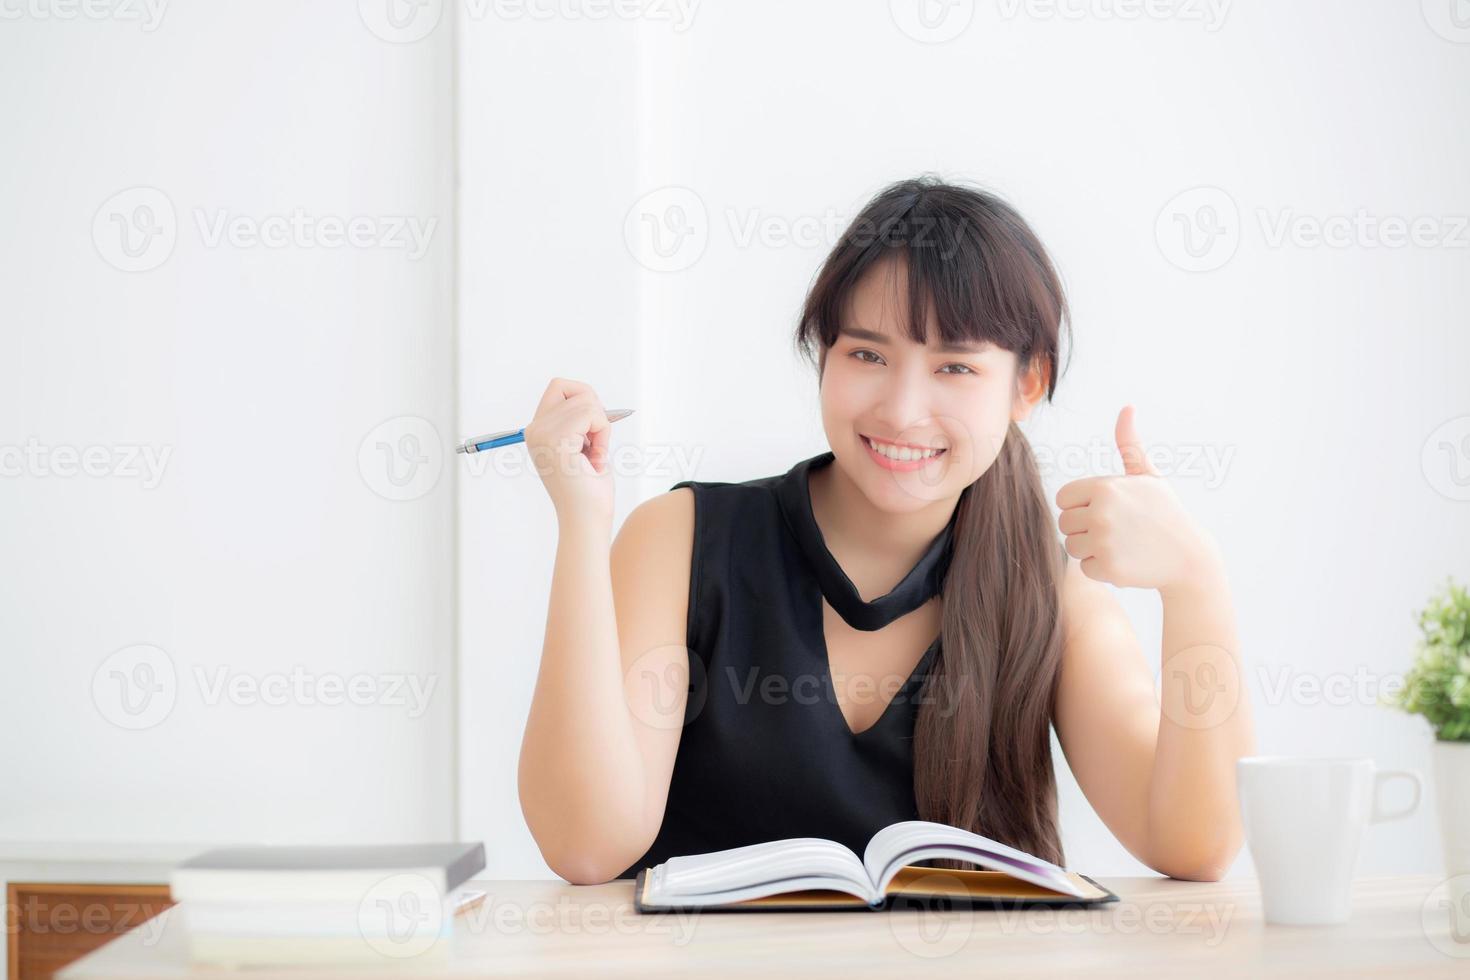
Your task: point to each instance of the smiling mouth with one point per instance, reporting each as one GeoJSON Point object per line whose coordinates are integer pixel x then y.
{"type": "Point", "coordinates": [901, 453]}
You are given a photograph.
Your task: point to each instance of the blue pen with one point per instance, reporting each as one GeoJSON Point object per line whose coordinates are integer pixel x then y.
{"type": "Point", "coordinates": [512, 436]}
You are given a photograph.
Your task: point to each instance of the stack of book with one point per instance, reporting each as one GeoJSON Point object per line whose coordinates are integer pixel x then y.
{"type": "Point", "coordinates": [273, 906]}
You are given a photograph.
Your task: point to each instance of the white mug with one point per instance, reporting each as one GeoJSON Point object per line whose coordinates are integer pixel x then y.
{"type": "Point", "coordinates": [1304, 819]}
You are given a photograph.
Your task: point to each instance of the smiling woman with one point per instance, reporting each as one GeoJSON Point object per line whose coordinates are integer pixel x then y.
{"type": "Point", "coordinates": [912, 577]}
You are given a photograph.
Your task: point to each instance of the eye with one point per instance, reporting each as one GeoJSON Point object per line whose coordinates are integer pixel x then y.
{"type": "Point", "coordinates": [967, 368]}
{"type": "Point", "coordinates": [856, 354]}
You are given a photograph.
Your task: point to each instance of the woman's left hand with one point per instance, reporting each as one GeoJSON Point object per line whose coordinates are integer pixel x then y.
{"type": "Point", "coordinates": [1131, 530]}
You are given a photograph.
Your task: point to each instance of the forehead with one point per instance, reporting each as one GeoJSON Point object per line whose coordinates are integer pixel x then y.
{"type": "Point", "coordinates": [877, 312]}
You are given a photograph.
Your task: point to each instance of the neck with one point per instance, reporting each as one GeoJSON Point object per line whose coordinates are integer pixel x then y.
{"type": "Point", "coordinates": [849, 521]}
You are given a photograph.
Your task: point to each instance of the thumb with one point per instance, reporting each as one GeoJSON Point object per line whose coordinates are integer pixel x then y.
{"type": "Point", "coordinates": [1135, 460]}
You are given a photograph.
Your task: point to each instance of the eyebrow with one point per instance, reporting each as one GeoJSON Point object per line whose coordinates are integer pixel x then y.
{"type": "Point", "coordinates": [872, 336]}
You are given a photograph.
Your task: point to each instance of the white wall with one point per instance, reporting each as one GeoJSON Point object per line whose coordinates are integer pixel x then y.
{"type": "Point", "coordinates": [282, 382]}
{"type": "Point", "coordinates": [263, 547]}
{"type": "Point", "coordinates": [1313, 375]}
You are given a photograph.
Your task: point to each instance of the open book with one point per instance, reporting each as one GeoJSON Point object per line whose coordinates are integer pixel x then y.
{"type": "Point", "coordinates": [811, 873]}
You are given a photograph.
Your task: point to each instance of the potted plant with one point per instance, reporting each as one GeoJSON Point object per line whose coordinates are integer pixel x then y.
{"type": "Point", "coordinates": [1438, 687]}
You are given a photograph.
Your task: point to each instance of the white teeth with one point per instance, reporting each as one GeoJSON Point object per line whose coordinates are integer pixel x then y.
{"type": "Point", "coordinates": [902, 454]}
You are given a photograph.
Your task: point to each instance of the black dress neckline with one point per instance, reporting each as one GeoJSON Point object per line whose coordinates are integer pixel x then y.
{"type": "Point", "coordinates": [922, 583]}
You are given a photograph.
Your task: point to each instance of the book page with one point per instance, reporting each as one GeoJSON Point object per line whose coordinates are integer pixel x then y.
{"type": "Point", "coordinates": [758, 864]}
{"type": "Point", "coordinates": [771, 888]}
{"type": "Point", "coordinates": [916, 840]}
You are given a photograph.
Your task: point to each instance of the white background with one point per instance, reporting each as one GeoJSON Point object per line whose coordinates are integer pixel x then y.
{"type": "Point", "coordinates": [1298, 392]}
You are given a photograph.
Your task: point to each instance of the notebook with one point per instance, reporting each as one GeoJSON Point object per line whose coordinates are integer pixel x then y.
{"type": "Point", "coordinates": [319, 874]}
{"type": "Point", "coordinates": [812, 874]}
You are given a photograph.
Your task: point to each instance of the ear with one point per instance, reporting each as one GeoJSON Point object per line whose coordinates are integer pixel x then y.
{"type": "Point", "coordinates": [1031, 387]}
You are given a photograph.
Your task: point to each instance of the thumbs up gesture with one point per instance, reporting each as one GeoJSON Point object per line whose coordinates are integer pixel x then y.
{"type": "Point", "coordinates": [1131, 530]}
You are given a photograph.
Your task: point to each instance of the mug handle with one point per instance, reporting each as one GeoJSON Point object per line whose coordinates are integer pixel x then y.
{"type": "Point", "coordinates": [1381, 779]}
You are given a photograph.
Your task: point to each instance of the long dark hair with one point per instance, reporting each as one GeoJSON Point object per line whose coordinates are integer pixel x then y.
{"type": "Point", "coordinates": [982, 743]}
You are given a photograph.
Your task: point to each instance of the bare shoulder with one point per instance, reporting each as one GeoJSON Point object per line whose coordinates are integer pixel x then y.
{"type": "Point", "coordinates": [663, 522]}
{"type": "Point", "coordinates": [651, 558]}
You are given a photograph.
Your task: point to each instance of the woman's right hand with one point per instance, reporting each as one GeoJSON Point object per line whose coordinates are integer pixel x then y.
{"type": "Point", "coordinates": [568, 440]}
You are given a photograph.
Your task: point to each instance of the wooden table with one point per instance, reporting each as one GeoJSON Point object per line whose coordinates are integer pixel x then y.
{"type": "Point", "coordinates": [1400, 925]}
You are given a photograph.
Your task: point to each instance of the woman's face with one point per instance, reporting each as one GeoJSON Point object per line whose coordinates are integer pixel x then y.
{"type": "Point", "coordinates": [884, 395]}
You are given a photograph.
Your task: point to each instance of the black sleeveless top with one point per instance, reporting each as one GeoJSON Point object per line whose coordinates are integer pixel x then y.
{"type": "Point", "coordinates": [765, 752]}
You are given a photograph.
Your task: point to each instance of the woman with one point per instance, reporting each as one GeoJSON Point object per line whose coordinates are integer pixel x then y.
{"type": "Point", "coordinates": [889, 630]}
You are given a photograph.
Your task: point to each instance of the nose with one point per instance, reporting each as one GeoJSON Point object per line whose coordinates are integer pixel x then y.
{"type": "Point", "coordinates": [903, 402]}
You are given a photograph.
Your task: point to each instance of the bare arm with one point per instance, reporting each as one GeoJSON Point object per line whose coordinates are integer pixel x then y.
{"type": "Point", "coordinates": [608, 707]}
{"type": "Point", "coordinates": [1158, 769]}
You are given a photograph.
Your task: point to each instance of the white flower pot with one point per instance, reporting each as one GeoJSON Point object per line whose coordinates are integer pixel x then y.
{"type": "Point", "coordinates": [1452, 790]}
